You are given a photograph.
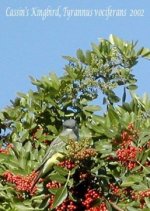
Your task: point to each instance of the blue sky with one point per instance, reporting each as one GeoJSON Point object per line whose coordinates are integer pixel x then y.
{"type": "Point", "coordinates": [32, 46]}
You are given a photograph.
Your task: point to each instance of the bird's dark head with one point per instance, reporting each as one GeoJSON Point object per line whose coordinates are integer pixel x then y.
{"type": "Point", "coordinates": [72, 125]}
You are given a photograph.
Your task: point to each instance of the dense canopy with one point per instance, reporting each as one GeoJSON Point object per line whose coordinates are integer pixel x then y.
{"type": "Point", "coordinates": [109, 167]}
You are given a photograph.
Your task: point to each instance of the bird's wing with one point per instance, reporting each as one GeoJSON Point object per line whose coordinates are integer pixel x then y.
{"type": "Point", "coordinates": [54, 147]}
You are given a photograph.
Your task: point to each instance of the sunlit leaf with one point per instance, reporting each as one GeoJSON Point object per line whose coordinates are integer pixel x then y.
{"type": "Point", "coordinates": [60, 196]}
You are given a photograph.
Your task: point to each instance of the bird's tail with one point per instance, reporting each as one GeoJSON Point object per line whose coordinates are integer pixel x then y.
{"type": "Point", "coordinates": [35, 180]}
{"type": "Point", "coordinates": [46, 167]}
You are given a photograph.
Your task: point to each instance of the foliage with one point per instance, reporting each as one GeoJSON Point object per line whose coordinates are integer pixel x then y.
{"type": "Point", "coordinates": [109, 168]}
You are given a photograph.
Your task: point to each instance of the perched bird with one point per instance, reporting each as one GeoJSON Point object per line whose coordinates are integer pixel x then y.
{"type": "Point", "coordinates": [56, 148]}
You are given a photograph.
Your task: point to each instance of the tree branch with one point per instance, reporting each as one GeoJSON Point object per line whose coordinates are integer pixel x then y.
{"type": "Point", "coordinates": [115, 206]}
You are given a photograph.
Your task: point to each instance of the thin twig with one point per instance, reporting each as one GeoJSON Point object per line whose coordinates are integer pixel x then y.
{"type": "Point", "coordinates": [115, 206]}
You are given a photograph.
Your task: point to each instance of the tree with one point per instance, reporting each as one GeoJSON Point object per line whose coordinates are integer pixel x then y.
{"type": "Point", "coordinates": [108, 169]}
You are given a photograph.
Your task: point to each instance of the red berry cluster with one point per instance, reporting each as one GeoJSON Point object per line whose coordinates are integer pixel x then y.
{"type": "Point", "coordinates": [126, 138]}
{"type": "Point", "coordinates": [127, 156]}
{"type": "Point", "coordinates": [23, 183]}
{"type": "Point", "coordinates": [101, 207]}
{"type": "Point", "coordinates": [115, 189]}
{"type": "Point", "coordinates": [68, 205]}
{"type": "Point", "coordinates": [68, 164]}
{"type": "Point", "coordinates": [90, 197]}
{"type": "Point", "coordinates": [84, 175]}
{"type": "Point", "coordinates": [128, 152]}
{"type": "Point", "coordinates": [140, 196]}
{"type": "Point", "coordinates": [53, 184]}
{"type": "Point", "coordinates": [6, 150]}
{"type": "Point", "coordinates": [145, 193]}
{"type": "Point", "coordinates": [128, 135]}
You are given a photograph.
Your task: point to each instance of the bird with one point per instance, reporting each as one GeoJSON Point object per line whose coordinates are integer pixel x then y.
{"type": "Point", "coordinates": [56, 148]}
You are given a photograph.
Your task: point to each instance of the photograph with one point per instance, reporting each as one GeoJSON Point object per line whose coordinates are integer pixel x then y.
{"type": "Point", "coordinates": [75, 105]}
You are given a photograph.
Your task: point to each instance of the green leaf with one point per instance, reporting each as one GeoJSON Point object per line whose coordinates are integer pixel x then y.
{"type": "Point", "coordinates": [103, 146]}
{"type": "Point", "coordinates": [116, 41]}
{"type": "Point", "coordinates": [53, 190]}
{"type": "Point", "coordinates": [96, 49]}
{"type": "Point", "coordinates": [85, 132]}
{"type": "Point", "coordinates": [88, 57]}
{"type": "Point", "coordinates": [131, 180]}
{"type": "Point", "coordinates": [24, 208]}
{"type": "Point", "coordinates": [132, 87]}
{"type": "Point", "coordinates": [55, 81]}
{"type": "Point", "coordinates": [145, 156]}
{"type": "Point", "coordinates": [109, 207]}
{"type": "Point", "coordinates": [28, 146]}
{"type": "Point", "coordinates": [113, 115]}
{"type": "Point", "coordinates": [146, 170]}
{"type": "Point", "coordinates": [80, 55]}
{"type": "Point", "coordinates": [139, 187]}
{"type": "Point", "coordinates": [22, 162]}
{"type": "Point", "coordinates": [147, 200]}
{"type": "Point", "coordinates": [57, 177]}
{"type": "Point", "coordinates": [61, 170]}
{"type": "Point", "coordinates": [71, 72]}
{"type": "Point", "coordinates": [3, 156]}
{"type": "Point", "coordinates": [24, 135]}
{"type": "Point", "coordinates": [70, 59]}
{"type": "Point", "coordinates": [145, 52]}
{"type": "Point", "coordinates": [131, 208]}
{"type": "Point", "coordinates": [92, 108]}
{"type": "Point", "coordinates": [144, 137]}
{"type": "Point", "coordinates": [60, 196]}
{"type": "Point", "coordinates": [38, 133]}
{"type": "Point", "coordinates": [52, 129]}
